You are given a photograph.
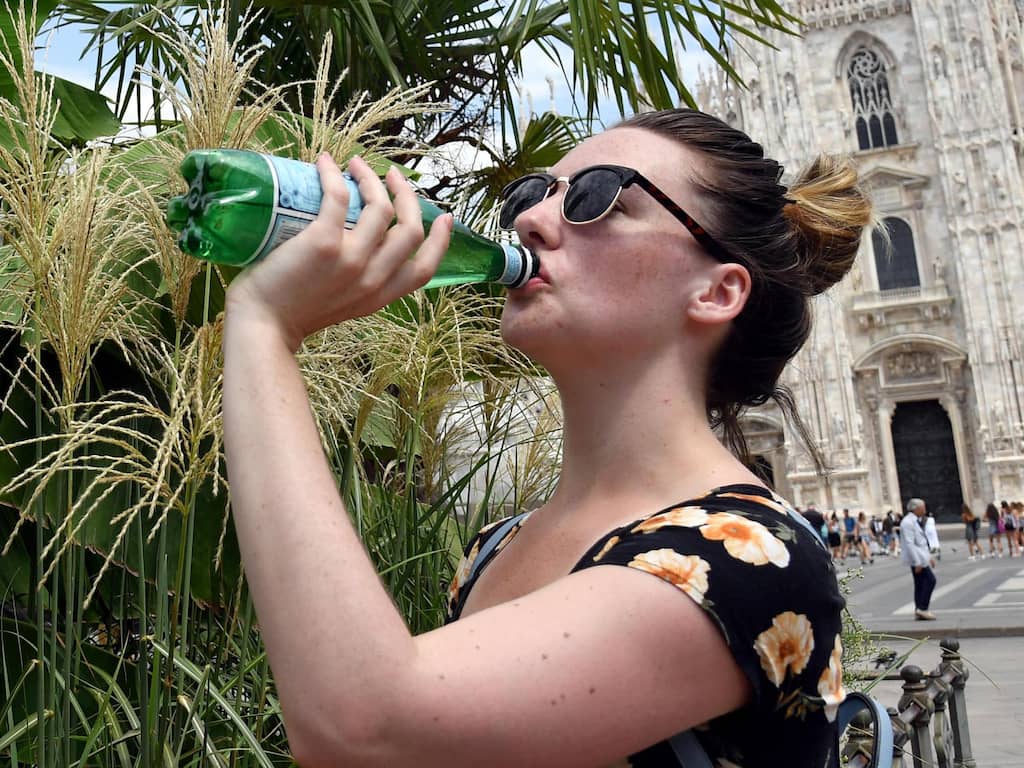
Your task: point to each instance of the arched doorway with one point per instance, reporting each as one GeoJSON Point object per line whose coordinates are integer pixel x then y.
{"type": "Point", "coordinates": [926, 464]}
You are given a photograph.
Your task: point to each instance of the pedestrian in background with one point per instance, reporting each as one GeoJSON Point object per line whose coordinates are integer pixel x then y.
{"type": "Point", "coordinates": [849, 534]}
{"type": "Point", "coordinates": [1009, 527]}
{"type": "Point", "coordinates": [862, 532]}
{"type": "Point", "coordinates": [971, 525]}
{"type": "Point", "coordinates": [889, 531]}
{"type": "Point", "coordinates": [876, 536]}
{"type": "Point", "coordinates": [1017, 510]}
{"type": "Point", "coordinates": [932, 534]}
{"type": "Point", "coordinates": [995, 532]}
{"type": "Point", "coordinates": [916, 554]}
{"type": "Point", "coordinates": [817, 521]}
{"type": "Point", "coordinates": [835, 539]}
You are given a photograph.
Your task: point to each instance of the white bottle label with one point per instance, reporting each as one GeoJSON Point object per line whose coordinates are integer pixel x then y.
{"type": "Point", "coordinates": [297, 197]}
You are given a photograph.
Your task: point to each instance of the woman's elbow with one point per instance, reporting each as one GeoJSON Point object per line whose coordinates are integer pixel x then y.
{"type": "Point", "coordinates": [347, 743]}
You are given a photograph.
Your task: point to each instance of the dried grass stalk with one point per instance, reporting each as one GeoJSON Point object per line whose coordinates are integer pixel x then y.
{"type": "Point", "coordinates": [105, 443]}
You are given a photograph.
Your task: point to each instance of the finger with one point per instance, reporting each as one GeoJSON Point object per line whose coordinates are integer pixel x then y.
{"type": "Point", "coordinates": [407, 233]}
{"type": "Point", "coordinates": [409, 274]}
{"type": "Point", "coordinates": [335, 201]}
{"type": "Point", "coordinates": [401, 239]}
{"type": "Point", "coordinates": [378, 213]}
{"type": "Point", "coordinates": [416, 272]}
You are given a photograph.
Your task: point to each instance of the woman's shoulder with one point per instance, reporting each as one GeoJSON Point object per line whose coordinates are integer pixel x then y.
{"type": "Point", "coordinates": [747, 501]}
{"type": "Point", "coordinates": [765, 579]}
{"type": "Point", "coordinates": [730, 528]}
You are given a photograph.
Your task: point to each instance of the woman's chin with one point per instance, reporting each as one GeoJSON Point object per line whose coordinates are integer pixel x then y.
{"type": "Point", "coordinates": [525, 331]}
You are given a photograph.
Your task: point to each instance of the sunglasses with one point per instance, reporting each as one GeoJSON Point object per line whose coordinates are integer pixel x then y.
{"type": "Point", "coordinates": [590, 195]}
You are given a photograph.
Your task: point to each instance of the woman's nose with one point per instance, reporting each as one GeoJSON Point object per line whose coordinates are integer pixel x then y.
{"type": "Point", "coordinates": [540, 225]}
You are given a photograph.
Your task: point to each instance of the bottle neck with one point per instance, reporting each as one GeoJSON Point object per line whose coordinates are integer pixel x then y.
{"type": "Point", "coordinates": [520, 265]}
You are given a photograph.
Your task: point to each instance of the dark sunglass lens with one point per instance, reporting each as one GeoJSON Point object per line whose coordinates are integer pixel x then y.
{"type": "Point", "coordinates": [522, 195]}
{"type": "Point", "coordinates": [590, 195]}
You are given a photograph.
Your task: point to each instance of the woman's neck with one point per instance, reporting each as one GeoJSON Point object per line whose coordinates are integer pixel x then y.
{"type": "Point", "coordinates": [638, 437]}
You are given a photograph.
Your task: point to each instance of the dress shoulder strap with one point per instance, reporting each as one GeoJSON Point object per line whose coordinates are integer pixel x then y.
{"type": "Point", "coordinates": [493, 541]}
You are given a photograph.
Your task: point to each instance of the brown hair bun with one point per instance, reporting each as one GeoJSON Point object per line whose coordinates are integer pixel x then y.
{"type": "Point", "coordinates": [830, 211]}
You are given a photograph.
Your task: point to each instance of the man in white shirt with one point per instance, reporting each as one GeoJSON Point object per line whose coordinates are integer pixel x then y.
{"type": "Point", "coordinates": [915, 552]}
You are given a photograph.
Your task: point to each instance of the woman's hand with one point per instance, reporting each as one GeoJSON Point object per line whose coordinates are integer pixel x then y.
{"type": "Point", "coordinates": [328, 274]}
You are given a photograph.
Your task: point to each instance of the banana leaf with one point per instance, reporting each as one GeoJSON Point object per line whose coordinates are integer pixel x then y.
{"type": "Point", "coordinates": [82, 114]}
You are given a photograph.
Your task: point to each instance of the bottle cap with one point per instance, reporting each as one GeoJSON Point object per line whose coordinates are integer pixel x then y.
{"type": "Point", "coordinates": [520, 265]}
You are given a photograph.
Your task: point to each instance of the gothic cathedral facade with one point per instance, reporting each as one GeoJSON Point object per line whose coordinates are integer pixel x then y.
{"type": "Point", "coordinates": [913, 380]}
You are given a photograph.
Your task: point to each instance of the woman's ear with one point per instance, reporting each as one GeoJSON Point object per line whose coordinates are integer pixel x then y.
{"type": "Point", "coordinates": [722, 294]}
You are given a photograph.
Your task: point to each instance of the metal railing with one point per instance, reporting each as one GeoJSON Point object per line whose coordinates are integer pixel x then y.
{"type": "Point", "coordinates": [929, 723]}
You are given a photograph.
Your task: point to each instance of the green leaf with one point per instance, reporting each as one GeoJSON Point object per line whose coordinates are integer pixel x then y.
{"type": "Point", "coordinates": [15, 280]}
{"type": "Point", "coordinates": [9, 37]}
{"type": "Point", "coordinates": [20, 729]}
{"type": "Point", "coordinates": [84, 114]}
{"type": "Point", "coordinates": [192, 671]}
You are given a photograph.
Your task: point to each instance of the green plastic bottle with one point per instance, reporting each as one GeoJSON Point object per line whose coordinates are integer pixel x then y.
{"type": "Point", "coordinates": [240, 205]}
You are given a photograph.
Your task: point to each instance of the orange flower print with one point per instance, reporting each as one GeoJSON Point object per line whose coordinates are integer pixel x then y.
{"type": "Point", "coordinates": [745, 539]}
{"type": "Point", "coordinates": [774, 502]}
{"type": "Point", "coordinates": [785, 646]}
{"type": "Point", "coordinates": [465, 565]}
{"type": "Point", "coordinates": [687, 572]}
{"type": "Point", "coordinates": [512, 532]}
{"type": "Point", "coordinates": [606, 548]}
{"type": "Point", "coordinates": [830, 684]}
{"type": "Point", "coordinates": [684, 517]}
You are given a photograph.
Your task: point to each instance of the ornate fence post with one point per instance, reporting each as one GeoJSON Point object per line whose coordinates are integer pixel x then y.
{"type": "Point", "coordinates": [916, 709]}
{"type": "Point", "coordinates": [954, 672]}
{"type": "Point", "coordinates": [942, 739]}
{"type": "Point", "coordinates": [860, 741]}
{"type": "Point", "coordinates": [900, 737]}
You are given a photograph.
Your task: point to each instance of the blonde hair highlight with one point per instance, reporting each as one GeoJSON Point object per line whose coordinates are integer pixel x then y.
{"type": "Point", "coordinates": [829, 210]}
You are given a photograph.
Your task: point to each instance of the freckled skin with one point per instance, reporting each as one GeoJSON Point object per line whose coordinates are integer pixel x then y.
{"type": "Point", "coordinates": [638, 252]}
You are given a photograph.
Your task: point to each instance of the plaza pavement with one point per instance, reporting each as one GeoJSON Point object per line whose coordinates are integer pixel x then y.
{"type": "Point", "coordinates": [983, 598]}
{"type": "Point", "coordinates": [981, 603]}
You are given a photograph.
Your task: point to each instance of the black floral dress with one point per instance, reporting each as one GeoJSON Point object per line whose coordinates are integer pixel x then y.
{"type": "Point", "coordinates": [742, 554]}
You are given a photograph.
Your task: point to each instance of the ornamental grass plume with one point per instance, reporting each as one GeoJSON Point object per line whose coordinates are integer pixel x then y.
{"type": "Point", "coordinates": [215, 97]}
{"type": "Point", "coordinates": [357, 129]}
{"type": "Point", "coordinates": [66, 237]}
{"type": "Point", "coordinates": [414, 359]}
{"type": "Point", "coordinates": [88, 228]}
{"type": "Point", "coordinates": [29, 167]}
{"type": "Point", "coordinates": [87, 297]}
{"type": "Point", "coordinates": [124, 441]}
